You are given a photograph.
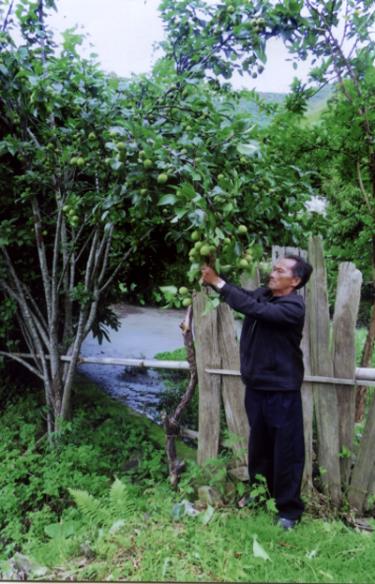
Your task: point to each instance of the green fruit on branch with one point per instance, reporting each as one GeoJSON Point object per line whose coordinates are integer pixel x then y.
{"type": "Point", "coordinates": [92, 136]}
{"type": "Point", "coordinates": [220, 177]}
{"type": "Point", "coordinates": [205, 250]}
{"type": "Point", "coordinates": [80, 161]}
{"type": "Point", "coordinates": [143, 191]}
{"type": "Point", "coordinates": [186, 302]}
{"type": "Point", "coordinates": [162, 178]}
{"type": "Point", "coordinates": [242, 229]}
{"type": "Point", "coordinates": [226, 268]}
{"type": "Point", "coordinates": [147, 163]}
{"type": "Point", "coordinates": [195, 235]}
{"type": "Point", "coordinates": [243, 263]}
{"type": "Point", "coordinates": [183, 291]}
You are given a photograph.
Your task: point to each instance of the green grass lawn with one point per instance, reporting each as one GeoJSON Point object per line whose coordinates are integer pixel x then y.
{"type": "Point", "coordinates": [234, 545]}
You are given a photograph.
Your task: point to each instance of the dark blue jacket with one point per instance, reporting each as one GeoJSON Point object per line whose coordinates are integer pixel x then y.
{"type": "Point", "coordinates": [271, 358]}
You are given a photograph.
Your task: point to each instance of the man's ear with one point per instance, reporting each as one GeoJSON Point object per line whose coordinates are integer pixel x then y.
{"type": "Point", "coordinates": [297, 281]}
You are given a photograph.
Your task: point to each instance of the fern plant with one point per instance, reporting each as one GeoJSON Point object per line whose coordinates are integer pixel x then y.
{"type": "Point", "coordinates": [121, 501]}
{"type": "Point", "coordinates": [91, 508]}
{"type": "Point", "coordinates": [119, 507]}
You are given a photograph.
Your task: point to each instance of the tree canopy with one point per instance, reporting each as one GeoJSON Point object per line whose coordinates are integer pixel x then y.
{"type": "Point", "coordinates": [99, 175]}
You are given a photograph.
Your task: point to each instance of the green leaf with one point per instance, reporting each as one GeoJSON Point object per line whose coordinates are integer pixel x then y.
{"type": "Point", "coordinates": [167, 200]}
{"type": "Point", "coordinates": [258, 550]}
{"type": "Point", "coordinates": [169, 292]}
{"type": "Point", "coordinates": [249, 149]}
{"type": "Point", "coordinates": [60, 530]}
{"type": "Point", "coordinates": [207, 515]}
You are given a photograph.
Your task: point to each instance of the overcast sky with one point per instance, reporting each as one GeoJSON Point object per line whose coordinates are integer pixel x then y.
{"type": "Point", "coordinates": [123, 32]}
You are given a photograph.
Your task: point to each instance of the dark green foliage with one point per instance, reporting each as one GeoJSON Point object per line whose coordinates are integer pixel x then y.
{"type": "Point", "coordinates": [102, 442]}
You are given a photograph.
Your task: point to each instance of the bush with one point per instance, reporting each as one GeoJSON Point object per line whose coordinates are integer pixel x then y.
{"type": "Point", "coordinates": [103, 441]}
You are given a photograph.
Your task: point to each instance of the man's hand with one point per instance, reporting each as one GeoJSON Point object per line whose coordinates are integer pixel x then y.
{"type": "Point", "coordinates": [209, 276]}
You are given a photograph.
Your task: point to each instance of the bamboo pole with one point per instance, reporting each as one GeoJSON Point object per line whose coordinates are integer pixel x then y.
{"type": "Point", "coordinates": [361, 378]}
{"type": "Point", "coordinates": [363, 375]}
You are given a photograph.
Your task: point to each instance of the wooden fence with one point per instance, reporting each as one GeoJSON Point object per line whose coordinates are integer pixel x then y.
{"type": "Point", "coordinates": [328, 391]}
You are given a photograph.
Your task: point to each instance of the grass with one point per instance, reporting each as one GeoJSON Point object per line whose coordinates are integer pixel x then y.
{"type": "Point", "coordinates": [152, 546]}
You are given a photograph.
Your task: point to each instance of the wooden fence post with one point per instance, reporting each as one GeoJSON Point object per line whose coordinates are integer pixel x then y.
{"type": "Point", "coordinates": [363, 475]}
{"type": "Point", "coordinates": [207, 355]}
{"type": "Point", "coordinates": [307, 388]}
{"type": "Point", "coordinates": [348, 294]}
{"type": "Point", "coordinates": [307, 393]}
{"type": "Point", "coordinates": [233, 390]}
{"type": "Point", "coordinates": [321, 364]}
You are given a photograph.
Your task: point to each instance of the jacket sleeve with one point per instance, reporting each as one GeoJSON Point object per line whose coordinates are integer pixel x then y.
{"type": "Point", "coordinates": [290, 310]}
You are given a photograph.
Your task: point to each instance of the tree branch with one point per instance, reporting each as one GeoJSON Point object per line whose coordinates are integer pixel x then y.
{"type": "Point", "coordinates": [22, 362]}
{"type": "Point", "coordinates": [41, 248]}
{"type": "Point", "coordinates": [362, 187]}
{"type": "Point", "coordinates": [7, 17]}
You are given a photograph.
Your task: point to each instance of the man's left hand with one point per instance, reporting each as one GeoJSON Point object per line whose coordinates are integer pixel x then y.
{"type": "Point", "coordinates": [209, 276]}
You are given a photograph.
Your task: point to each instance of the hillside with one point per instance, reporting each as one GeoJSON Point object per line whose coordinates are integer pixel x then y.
{"type": "Point", "coordinates": [315, 105]}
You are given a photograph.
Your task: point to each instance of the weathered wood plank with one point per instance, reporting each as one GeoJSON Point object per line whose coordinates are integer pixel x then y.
{"type": "Point", "coordinates": [362, 485]}
{"type": "Point", "coordinates": [371, 490]}
{"type": "Point", "coordinates": [348, 292]}
{"type": "Point", "coordinates": [325, 398]}
{"type": "Point", "coordinates": [251, 283]}
{"type": "Point", "coordinates": [207, 354]}
{"type": "Point", "coordinates": [233, 390]}
{"type": "Point", "coordinates": [306, 390]}
{"type": "Point", "coordinates": [307, 394]}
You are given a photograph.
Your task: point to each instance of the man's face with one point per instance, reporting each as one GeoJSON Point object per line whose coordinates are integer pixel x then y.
{"type": "Point", "coordinates": [281, 280]}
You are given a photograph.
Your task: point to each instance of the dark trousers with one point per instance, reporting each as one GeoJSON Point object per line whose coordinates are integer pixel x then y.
{"type": "Point", "coordinates": [276, 446]}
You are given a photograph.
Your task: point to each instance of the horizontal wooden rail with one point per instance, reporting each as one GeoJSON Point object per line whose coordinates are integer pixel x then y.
{"type": "Point", "coordinates": [363, 375]}
{"type": "Point", "coordinates": [147, 363]}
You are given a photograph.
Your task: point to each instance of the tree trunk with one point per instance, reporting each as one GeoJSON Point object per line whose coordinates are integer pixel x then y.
{"type": "Point", "coordinates": [172, 422]}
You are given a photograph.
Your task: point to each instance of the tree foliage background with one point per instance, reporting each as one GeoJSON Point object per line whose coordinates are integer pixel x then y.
{"type": "Point", "coordinates": [111, 185]}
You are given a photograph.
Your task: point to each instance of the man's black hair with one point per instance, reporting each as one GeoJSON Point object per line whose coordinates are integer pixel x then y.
{"type": "Point", "coordinates": [301, 269]}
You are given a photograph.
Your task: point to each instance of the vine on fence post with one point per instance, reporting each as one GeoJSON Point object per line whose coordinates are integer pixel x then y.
{"type": "Point", "coordinates": [172, 423]}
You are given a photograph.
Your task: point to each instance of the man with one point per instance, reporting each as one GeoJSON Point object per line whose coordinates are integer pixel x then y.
{"type": "Point", "coordinates": [272, 370]}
